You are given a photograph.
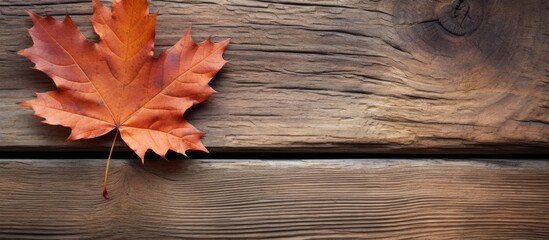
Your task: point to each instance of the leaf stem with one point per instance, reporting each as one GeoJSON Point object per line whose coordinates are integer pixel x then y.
{"type": "Point", "coordinates": [105, 193]}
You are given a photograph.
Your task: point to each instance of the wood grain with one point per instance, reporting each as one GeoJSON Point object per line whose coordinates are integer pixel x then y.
{"type": "Point", "coordinates": [298, 199]}
{"type": "Point", "coordinates": [358, 76]}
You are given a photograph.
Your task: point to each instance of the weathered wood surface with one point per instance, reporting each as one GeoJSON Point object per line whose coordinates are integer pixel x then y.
{"type": "Point", "coordinates": [361, 76]}
{"type": "Point", "coordinates": [314, 199]}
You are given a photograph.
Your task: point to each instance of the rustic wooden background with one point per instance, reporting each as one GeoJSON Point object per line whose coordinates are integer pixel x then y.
{"type": "Point", "coordinates": [308, 76]}
{"type": "Point", "coordinates": [296, 199]}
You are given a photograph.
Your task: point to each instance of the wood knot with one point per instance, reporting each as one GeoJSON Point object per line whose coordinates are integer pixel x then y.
{"type": "Point", "coordinates": [459, 17]}
{"type": "Point", "coordinates": [478, 42]}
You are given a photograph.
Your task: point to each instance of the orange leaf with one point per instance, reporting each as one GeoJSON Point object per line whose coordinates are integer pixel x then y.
{"type": "Point", "coordinates": [117, 83]}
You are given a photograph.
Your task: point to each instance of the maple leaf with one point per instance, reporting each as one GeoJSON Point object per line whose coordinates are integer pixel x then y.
{"type": "Point", "coordinates": [118, 83]}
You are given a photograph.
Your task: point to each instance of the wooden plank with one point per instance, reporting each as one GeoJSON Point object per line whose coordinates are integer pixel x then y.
{"type": "Point", "coordinates": [360, 76]}
{"type": "Point", "coordinates": [313, 199]}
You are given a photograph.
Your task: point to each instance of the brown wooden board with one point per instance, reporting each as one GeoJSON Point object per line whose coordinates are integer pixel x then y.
{"type": "Point", "coordinates": [297, 199]}
{"type": "Point", "coordinates": [353, 76]}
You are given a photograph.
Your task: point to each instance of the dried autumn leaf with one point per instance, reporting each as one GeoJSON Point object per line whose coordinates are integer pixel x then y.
{"type": "Point", "coordinates": [117, 83]}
